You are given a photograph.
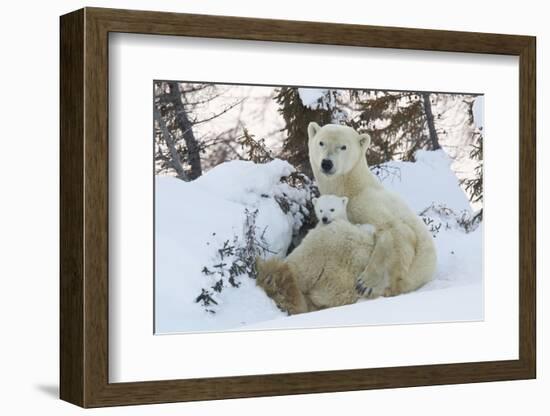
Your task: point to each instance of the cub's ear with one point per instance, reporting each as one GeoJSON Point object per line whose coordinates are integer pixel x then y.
{"type": "Point", "coordinates": [345, 200]}
{"type": "Point", "coordinates": [364, 141]}
{"type": "Point", "coordinates": [314, 202]}
{"type": "Point", "coordinates": [312, 129]}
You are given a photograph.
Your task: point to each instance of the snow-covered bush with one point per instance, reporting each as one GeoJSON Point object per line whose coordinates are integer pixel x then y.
{"type": "Point", "coordinates": [233, 261]}
{"type": "Point", "coordinates": [294, 196]}
{"type": "Point", "coordinates": [437, 216]}
{"type": "Point", "coordinates": [295, 192]}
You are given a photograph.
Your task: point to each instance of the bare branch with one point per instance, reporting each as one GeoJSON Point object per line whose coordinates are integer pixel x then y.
{"type": "Point", "coordinates": [229, 108]}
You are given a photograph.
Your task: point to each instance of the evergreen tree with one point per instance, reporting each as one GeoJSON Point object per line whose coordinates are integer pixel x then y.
{"type": "Point", "coordinates": [254, 149]}
{"type": "Point", "coordinates": [297, 117]}
{"type": "Point", "coordinates": [474, 186]}
{"type": "Point", "coordinates": [400, 123]}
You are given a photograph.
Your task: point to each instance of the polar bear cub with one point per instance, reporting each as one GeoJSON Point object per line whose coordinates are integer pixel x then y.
{"type": "Point", "coordinates": [322, 271]}
{"type": "Point", "coordinates": [329, 208]}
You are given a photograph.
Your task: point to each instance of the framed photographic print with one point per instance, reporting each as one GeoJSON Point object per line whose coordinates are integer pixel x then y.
{"type": "Point", "coordinates": [255, 207]}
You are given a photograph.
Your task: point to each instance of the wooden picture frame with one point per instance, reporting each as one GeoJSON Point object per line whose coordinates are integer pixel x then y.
{"type": "Point", "coordinates": [84, 207]}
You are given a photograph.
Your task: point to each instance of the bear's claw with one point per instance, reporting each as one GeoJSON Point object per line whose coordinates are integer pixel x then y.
{"type": "Point", "coordinates": [363, 289]}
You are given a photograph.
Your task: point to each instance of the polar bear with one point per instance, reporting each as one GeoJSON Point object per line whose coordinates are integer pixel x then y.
{"type": "Point", "coordinates": [330, 207]}
{"type": "Point", "coordinates": [404, 256]}
{"type": "Point", "coordinates": [321, 272]}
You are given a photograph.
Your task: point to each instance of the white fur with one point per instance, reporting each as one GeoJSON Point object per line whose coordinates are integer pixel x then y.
{"type": "Point", "coordinates": [330, 207]}
{"type": "Point", "coordinates": [404, 256]}
{"type": "Point", "coordinates": [369, 228]}
{"type": "Point", "coordinates": [321, 272]}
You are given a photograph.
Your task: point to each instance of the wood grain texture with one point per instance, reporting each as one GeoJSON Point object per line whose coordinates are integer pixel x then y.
{"type": "Point", "coordinates": [71, 219]}
{"type": "Point", "coordinates": [527, 207]}
{"type": "Point", "coordinates": [96, 207]}
{"type": "Point", "coordinates": [84, 207]}
{"type": "Point", "coordinates": [227, 27]}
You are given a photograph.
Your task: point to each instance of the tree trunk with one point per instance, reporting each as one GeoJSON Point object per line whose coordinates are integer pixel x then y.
{"type": "Point", "coordinates": [168, 139]}
{"type": "Point", "coordinates": [186, 127]}
{"type": "Point", "coordinates": [434, 141]}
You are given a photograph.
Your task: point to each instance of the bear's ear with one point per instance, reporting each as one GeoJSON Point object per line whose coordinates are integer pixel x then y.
{"type": "Point", "coordinates": [314, 202]}
{"type": "Point", "coordinates": [312, 129]}
{"type": "Point", "coordinates": [345, 200]}
{"type": "Point", "coordinates": [364, 141]}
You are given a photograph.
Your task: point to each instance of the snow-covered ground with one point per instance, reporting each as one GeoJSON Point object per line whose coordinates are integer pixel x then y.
{"type": "Point", "coordinates": [194, 219]}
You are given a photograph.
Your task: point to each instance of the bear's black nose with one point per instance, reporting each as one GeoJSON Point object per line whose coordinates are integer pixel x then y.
{"type": "Point", "coordinates": [325, 220]}
{"type": "Point", "coordinates": [326, 165]}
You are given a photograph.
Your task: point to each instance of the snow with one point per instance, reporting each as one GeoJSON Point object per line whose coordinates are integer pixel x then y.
{"type": "Point", "coordinates": [311, 96]}
{"type": "Point", "coordinates": [193, 219]}
{"type": "Point", "coordinates": [253, 179]}
{"type": "Point", "coordinates": [444, 305]}
{"type": "Point", "coordinates": [429, 180]}
{"type": "Point", "coordinates": [477, 108]}
{"type": "Point", "coordinates": [457, 132]}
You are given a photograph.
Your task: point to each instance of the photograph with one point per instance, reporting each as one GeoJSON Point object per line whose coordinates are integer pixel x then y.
{"type": "Point", "coordinates": [295, 207]}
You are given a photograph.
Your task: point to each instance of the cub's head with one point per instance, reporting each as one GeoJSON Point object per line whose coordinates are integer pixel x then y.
{"type": "Point", "coordinates": [330, 207]}
{"type": "Point", "coordinates": [335, 149]}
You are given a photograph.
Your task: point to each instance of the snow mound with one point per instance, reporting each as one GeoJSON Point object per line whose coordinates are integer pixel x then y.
{"type": "Point", "coordinates": [193, 220]}
{"type": "Point", "coordinates": [243, 181]}
{"type": "Point", "coordinates": [427, 181]}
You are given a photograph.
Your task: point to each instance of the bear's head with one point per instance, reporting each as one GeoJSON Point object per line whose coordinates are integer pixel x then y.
{"type": "Point", "coordinates": [335, 149]}
{"type": "Point", "coordinates": [330, 207]}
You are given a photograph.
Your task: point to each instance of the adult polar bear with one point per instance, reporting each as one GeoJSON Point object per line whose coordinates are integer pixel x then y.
{"type": "Point", "coordinates": [404, 257]}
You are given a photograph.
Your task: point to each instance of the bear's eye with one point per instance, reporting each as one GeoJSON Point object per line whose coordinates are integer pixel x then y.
{"type": "Point", "coordinates": [343, 148]}
{"type": "Point", "coordinates": [320, 210]}
{"type": "Point", "coordinates": [321, 144]}
{"type": "Point", "coordinates": [332, 210]}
